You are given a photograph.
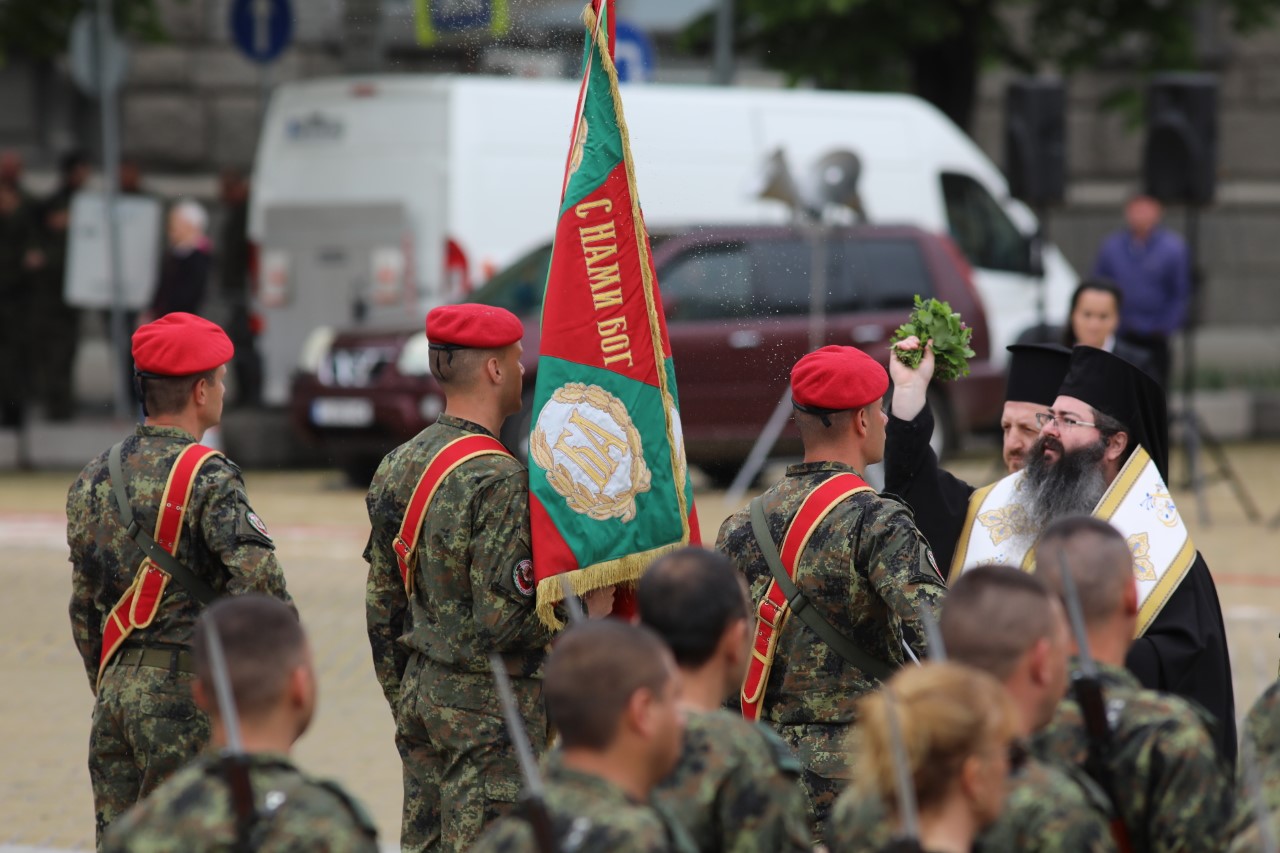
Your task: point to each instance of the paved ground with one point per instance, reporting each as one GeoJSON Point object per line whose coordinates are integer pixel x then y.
{"type": "Point", "coordinates": [320, 529]}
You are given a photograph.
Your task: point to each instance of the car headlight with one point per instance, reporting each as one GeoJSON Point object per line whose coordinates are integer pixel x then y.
{"type": "Point", "coordinates": [315, 349]}
{"type": "Point", "coordinates": [415, 357]}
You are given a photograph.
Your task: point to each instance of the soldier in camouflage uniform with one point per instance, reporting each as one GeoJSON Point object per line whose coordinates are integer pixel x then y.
{"type": "Point", "coordinates": [145, 725]}
{"type": "Point", "coordinates": [472, 592]}
{"type": "Point", "coordinates": [613, 692]}
{"type": "Point", "coordinates": [1006, 622]}
{"type": "Point", "coordinates": [866, 569]}
{"type": "Point", "coordinates": [1259, 753]}
{"type": "Point", "coordinates": [737, 787]}
{"type": "Point", "coordinates": [269, 668]}
{"type": "Point", "coordinates": [1171, 786]}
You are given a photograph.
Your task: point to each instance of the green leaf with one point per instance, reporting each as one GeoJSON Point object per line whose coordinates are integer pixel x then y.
{"type": "Point", "coordinates": [934, 321]}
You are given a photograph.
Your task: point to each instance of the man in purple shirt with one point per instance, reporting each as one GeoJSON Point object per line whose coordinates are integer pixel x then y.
{"type": "Point", "coordinates": [1151, 266]}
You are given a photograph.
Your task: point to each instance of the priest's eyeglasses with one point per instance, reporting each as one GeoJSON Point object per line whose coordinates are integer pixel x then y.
{"type": "Point", "coordinates": [1062, 422]}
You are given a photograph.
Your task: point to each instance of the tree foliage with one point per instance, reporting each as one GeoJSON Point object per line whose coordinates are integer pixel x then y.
{"type": "Point", "coordinates": [937, 48]}
{"type": "Point", "coordinates": [40, 29]}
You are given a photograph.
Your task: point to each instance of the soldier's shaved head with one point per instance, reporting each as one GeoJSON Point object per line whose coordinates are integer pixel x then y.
{"type": "Point", "coordinates": [592, 673]}
{"type": "Point", "coordinates": [993, 615]}
{"type": "Point", "coordinates": [690, 598]}
{"type": "Point", "coordinates": [1099, 559]}
{"type": "Point", "coordinates": [263, 643]}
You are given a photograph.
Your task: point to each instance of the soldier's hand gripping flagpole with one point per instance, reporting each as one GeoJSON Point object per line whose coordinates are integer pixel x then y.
{"type": "Point", "coordinates": [235, 763]}
{"type": "Point", "coordinates": [907, 840]}
{"type": "Point", "coordinates": [1087, 688]}
{"type": "Point", "coordinates": [535, 808]}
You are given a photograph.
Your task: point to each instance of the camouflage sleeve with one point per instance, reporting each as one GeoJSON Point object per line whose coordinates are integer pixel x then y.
{"type": "Point", "coordinates": [385, 603]}
{"type": "Point", "coordinates": [1190, 792]}
{"type": "Point", "coordinates": [901, 567]}
{"type": "Point", "coordinates": [1047, 812]}
{"type": "Point", "coordinates": [502, 581]}
{"type": "Point", "coordinates": [233, 531]}
{"type": "Point", "coordinates": [762, 806]}
{"type": "Point", "coordinates": [86, 621]}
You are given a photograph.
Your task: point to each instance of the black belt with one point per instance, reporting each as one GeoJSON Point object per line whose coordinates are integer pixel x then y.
{"type": "Point", "coordinates": [175, 660]}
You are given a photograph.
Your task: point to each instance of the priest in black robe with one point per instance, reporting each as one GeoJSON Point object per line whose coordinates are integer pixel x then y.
{"type": "Point", "coordinates": [938, 498]}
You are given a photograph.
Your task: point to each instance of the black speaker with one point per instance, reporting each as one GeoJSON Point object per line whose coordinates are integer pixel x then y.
{"type": "Point", "coordinates": [1180, 160]}
{"type": "Point", "coordinates": [1035, 140]}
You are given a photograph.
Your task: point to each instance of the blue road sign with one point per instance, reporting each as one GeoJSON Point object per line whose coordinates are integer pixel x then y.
{"type": "Point", "coordinates": [633, 54]}
{"type": "Point", "coordinates": [262, 29]}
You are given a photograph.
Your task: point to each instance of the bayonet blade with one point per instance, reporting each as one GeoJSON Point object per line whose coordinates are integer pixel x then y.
{"type": "Point", "coordinates": [1075, 615]}
{"type": "Point", "coordinates": [572, 604]}
{"type": "Point", "coordinates": [222, 689]}
{"type": "Point", "coordinates": [907, 810]}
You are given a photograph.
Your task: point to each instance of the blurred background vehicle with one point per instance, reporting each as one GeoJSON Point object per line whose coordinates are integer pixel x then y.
{"type": "Point", "coordinates": [377, 198]}
{"type": "Point", "coordinates": [737, 306]}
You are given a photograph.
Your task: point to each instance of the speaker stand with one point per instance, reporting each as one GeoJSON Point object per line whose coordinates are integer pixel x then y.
{"type": "Point", "coordinates": [1194, 432]}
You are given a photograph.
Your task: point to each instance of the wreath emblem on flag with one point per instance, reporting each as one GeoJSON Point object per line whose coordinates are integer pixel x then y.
{"type": "Point", "coordinates": [591, 451]}
{"type": "Point", "coordinates": [579, 146]}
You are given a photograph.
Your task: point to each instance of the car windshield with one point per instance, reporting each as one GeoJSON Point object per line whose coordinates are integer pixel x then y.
{"type": "Point", "coordinates": [519, 287]}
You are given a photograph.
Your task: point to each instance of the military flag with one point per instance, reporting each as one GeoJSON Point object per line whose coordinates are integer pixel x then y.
{"type": "Point", "coordinates": [609, 486]}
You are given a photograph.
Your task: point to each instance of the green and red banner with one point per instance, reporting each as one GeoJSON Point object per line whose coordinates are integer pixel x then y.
{"type": "Point", "coordinates": [609, 485]}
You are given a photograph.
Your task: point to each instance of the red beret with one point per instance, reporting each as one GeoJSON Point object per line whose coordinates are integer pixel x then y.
{"type": "Point", "coordinates": [473, 326]}
{"type": "Point", "coordinates": [180, 344]}
{"type": "Point", "coordinates": [838, 378]}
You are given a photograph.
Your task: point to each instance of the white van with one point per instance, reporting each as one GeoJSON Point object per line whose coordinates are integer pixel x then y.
{"type": "Point", "coordinates": [375, 198]}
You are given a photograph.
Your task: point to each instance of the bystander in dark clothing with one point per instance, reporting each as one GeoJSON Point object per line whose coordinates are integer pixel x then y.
{"type": "Point", "coordinates": [16, 261]}
{"type": "Point", "coordinates": [55, 323]}
{"type": "Point", "coordinates": [184, 272]}
{"type": "Point", "coordinates": [234, 259]}
{"type": "Point", "coordinates": [1152, 268]}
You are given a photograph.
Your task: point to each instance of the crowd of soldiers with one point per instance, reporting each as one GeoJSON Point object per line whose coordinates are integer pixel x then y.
{"type": "Point", "coordinates": [816, 680]}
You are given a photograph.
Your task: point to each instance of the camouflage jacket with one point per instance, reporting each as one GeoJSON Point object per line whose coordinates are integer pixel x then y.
{"type": "Point", "coordinates": [474, 589]}
{"type": "Point", "coordinates": [1172, 789]}
{"type": "Point", "coordinates": [737, 788]}
{"type": "Point", "coordinates": [1047, 810]}
{"type": "Point", "coordinates": [192, 812]}
{"type": "Point", "coordinates": [866, 569]}
{"type": "Point", "coordinates": [1261, 746]}
{"type": "Point", "coordinates": [223, 540]}
{"type": "Point", "coordinates": [588, 815]}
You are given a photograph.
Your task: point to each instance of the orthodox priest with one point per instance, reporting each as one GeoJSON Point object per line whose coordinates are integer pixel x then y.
{"type": "Point", "coordinates": [939, 499]}
{"type": "Point", "coordinates": [1103, 450]}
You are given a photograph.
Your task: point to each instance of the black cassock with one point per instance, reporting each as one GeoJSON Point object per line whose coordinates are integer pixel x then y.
{"type": "Point", "coordinates": [1184, 651]}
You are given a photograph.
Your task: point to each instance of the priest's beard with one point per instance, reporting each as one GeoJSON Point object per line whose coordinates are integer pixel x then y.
{"type": "Point", "coordinates": [1071, 486]}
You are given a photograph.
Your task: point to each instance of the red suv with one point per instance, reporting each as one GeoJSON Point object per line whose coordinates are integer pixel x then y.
{"type": "Point", "coordinates": [737, 304]}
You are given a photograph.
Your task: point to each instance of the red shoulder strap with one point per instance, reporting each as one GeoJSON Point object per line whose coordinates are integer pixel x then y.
{"type": "Point", "coordinates": [774, 609]}
{"type": "Point", "coordinates": [138, 606]}
{"type": "Point", "coordinates": [450, 457]}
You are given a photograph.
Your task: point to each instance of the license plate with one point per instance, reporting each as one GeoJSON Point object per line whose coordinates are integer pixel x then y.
{"type": "Point", "coordinates": [342, 412]}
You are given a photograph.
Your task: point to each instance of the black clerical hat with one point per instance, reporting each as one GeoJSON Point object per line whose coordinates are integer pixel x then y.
{"type": "Point", "coordinates": [1035, 372]}
{"type": "Point", "coordinates": [1115, 387]}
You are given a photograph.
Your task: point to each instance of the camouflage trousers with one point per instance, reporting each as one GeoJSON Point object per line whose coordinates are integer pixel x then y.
{"type": "Point", "coordinates": [145, 727]}
{"type": "Point", "coordinates": [823, 751]}
{"type": "Point", "coordinates": [460, 768]}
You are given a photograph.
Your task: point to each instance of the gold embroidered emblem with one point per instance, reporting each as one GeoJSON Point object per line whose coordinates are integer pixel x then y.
{"type": "Point", "coordinates": [1140, 547]}
{"type": "Point", "coordinates": [579, 145]}
{"type": "Point", "coordinates": [1160, 502]}
{"type": "Point", "coordinates": [1004, 523]}
{"type": "Point", "coordinates": [591, 452]}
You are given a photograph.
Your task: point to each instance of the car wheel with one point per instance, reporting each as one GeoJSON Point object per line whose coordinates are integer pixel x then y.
{"type": "Point", "coordinates": [720, 475]}
{"type": "Point", "coordinates": [944, 437]}
{"type": "Point", "coordinates": [359, 469]}
{"type": "Point", "coordinates": [515, 429]}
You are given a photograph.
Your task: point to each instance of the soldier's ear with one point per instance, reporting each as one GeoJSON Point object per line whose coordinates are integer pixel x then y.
{"type": "Point", "coordinates": [640, 715]}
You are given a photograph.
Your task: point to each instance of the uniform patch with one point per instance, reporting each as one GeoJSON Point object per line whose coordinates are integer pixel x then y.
{"type": "Point", "coordinates": [252, 518]}
{"type": "Point", "coordinates": [932, 561]}
{"type": "Point", "coordinates": [523, 577]}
